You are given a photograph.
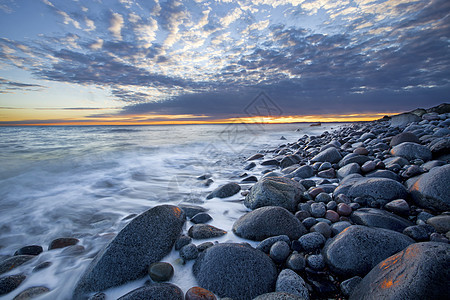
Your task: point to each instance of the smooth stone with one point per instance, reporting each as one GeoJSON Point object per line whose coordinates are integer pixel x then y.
{"type": "Point", "coordinates": [332, 205]}
{"type": "Point", "coordinates": [63, 242]}
{"type": "Point", "coordinates": [290, 282]}
{"type": "Point", "coordinates": [441, 223]}
{"type": "Point", "coordinates": [322, 228]}
{"type": "Point", "coordinates": [275, 191]}
{"type": "Point", "coordinates": [29, 250]}
{"type": "Point", "coordinates": [201, 218]}
{"type": "Point", "coordinates": [349, 285]}
{"type": "Point", "coordinates": [191, 210]}
{"type": "Point", "coordinates": [331, 155]}
{"type": "Point", "coordinates": [270, 162]}
{"type": "Point", "coordinates": [224, 191]}
{"type": "Point", "coordinates": [368, 166]}
{"type": "Point", "coordinates": [250, 166]}
{"type": "Point", "coordinates": [421, 271]}
{"type": "Point", "coordinates": [348, 169]}
{"type": "Point", "coordinates": [353, 158]}
{"type": "Point", "coordinates": [236, 271]}
{"type": "Point", "coordinates": [312, 241]}
{"type": "Point", "coordinates": [362, 249]}
{"type": "Point", "coordinates": [302, 214]}
{"type": "Point", "coordinates": [189, 252]}
{"type": "Point", "coordinates": [198, 293]}
{"type": "Point", "coordinates": [203, 246]}
{"type": "Point", "coordinates": [250, 179]}
{"type": "Point", "coordinates": [182, 241]}
{"type": "Point", "coordinates": [315, 262]}
{"type": "Point", "coordinates": [13, 262]}
{"type": "Point", "coordinates": [373, 217]}
{"type": "Point", "coordinates": [73, 250]}
{"type": "Point", "coordinates": [361, 151]}
{"type": "Point", "coordinates": [279, 252]}
{"type": "Point", "coordinates": [266, 222]}
{"type": "Point", "coordinates": [330, 173]}
{"type": "Point", "coordinates": [296, 262]}
{"type": "Point", "coordinates": [309, 222]}
{"type": "Point", "coordinates": [396, 160]}
{"type": "Point", "coordinates": [156, 291]}
{"type": "Point", "coordinates": [10, 283]}
{"type": "Point", "coordinates": [430, 190]}
{"type": "Point", "coordinates": [344, 209]}
{"type": "Point", "coordinates": [383, 174]}
{"type": "Point", "coordinates": [160, 271]}
{"type": "Point", "coordinates": [437, 237]}
{"type": "Point", "coordinates": [323, 197]}
{"type": "Point", "coordinates": [255, 156]}
{"type": "Point", "coordinates": [332, 216]}
{"type": "Point", "coordinates": [289, 160]}
{"type": "Point", "coordinates": [42, 266]}
{"type": "Point", "coordinates": [325, 166]}
{"type": "Point", "coordinates": [32, 292]}
{"type": "Point", "coordinates": [338, 227]}
{"type": "Point", "coordinates": [375, 188]}
{"type": "Point", "coordinates": [404, 119]}
{"type": "Point", "coordinates": [205, 231]}
{"type": "Point", "coordinates": [440, 146]}
{"type": "Point", "coordinates": [412, 151]}
{"type": "Point", "coordinates": [266, 244]}
{"type": "Point", "coordinates": [398, 206]}
{"type": "Point", "coordinates": [146, 239]}
{"type": "Point", "coordinates": [318, 210]}
{"type": "Point", "coordinates": [277, 296]}
{"type": "Point", "coordinates": [307, 183]}
{"type": "Point", "coordinates": [431, 164]}
{"type": "Point", "coordinates": [404, 137]}
{"type": "Point", "coordinates": [416, 232]}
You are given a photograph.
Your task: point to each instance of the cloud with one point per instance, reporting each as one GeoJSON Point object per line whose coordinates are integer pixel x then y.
{"type": "Point", "coordinates": [97, 45]}
{"type": "Point", "coordinates": [9, 86]}
{"type": "Point", "coordinates": [116, 25]}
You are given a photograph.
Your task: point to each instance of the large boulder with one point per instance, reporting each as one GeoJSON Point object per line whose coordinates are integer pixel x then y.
{"type": "Point", "coordinates": [373, 217]}
{"type": "Point", "coordinates": [404, 119]}
{"type": "Point", "coordinates": [430, 190]}
{"type": "Point", "coordinates": [268, 221]}
{"type": "Point", "coordinates": [357, 249]}
{"type": "Point", "coordinates": [373, 188]}
{"type": "Point", "coordinates": [421, 271]}
{"type": "Point", "coordinates": [145, 240]}
{"type": "Point", "coordinates": [440, 146]}
{"type": "Point", "coordinates": [331, 155]}
{"type": "Point", "coordinates": [236, 271]}
{"type": "Point", "coordinates": [155, 291]}
{"type": "Point", "coordinates": [412, 151]}
{"type": "Point", "coordinates": [275, 191]}
{"type": "Point", "coordinates": [404, 137]}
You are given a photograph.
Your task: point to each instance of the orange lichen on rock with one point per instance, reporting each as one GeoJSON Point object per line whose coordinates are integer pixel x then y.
{"type": "Point", "coordinates": [177, 211]}
{"type": "Point", "coordinates": [388, 262]}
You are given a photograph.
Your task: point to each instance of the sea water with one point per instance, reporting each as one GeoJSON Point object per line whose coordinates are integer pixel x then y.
{"type": "Point", "coordinates": [88, 182]}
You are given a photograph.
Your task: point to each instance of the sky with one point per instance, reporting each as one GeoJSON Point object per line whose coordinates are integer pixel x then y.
{"type": "Point", "coordinates": [175, 62]}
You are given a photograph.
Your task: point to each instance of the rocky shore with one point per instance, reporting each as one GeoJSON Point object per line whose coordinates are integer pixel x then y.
{"type": "Point", "coordinates": [358, 213]}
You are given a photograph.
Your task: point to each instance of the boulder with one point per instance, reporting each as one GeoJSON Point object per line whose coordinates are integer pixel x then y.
{"type": "Point", "coordinates": [236, 271]}
{"type": "Point", "coordinates": [404, 137]}
{"type": "Point", "coordinates": [290, 282]}
{"type": "Point", "coordinates": [224, 191]}
{"type": "Point", "coordinates": [275, 191]}
{"type": "Point", "coordinates": [357, 249]}
{"type": "Point", "coordinates": [205, 231]}
{"type": "Point", "coordinates": [421, 271]}
{"type": "Point", "coordinates": [348, 169]}
{"type": "Point", "coordinates": [374, 188]}
{"type": "Point", "coordinates": [331, 155]}
{"type": "Point", "coordinates": [145, 240]}
{"type": "Point", "coordinates": [412, 151]}
{"type": "Point", "coordinates": [266, 222]}
{"type": "Point", "coordinates": [155, 291]}
{"type": "Point", "coordinates": [404, 119]}
{"type": "Point", "coordinates": [373, 217]}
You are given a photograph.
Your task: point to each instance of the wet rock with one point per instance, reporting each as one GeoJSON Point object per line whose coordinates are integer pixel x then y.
{"type": "Point", "coordinates": [278, 296]}
{"type": "Point", "coordinates": [160, 271]}
{"type": "Point", "coordinates": [255, 156]}
{"type": "Point", "coordinates": [312, 241]}
{"type": "Point", "coordinates": [266, 244]}
{"type": "Point", "coordinates": [235, 271]}
{"type": "Point", "coordinates": [325, 166]}
{"type": "Point", "coordinates": [145, 240]}
{"type": "Point", "coordinates": [290, 282]}
{"type": "Point", "coordinates": [331, 155]}
{"type": "Point", "coordinates": [63, 242]}
{"type": "Point", "coordinates": [338, 227]}
{"type": "Point", "coordinates": [344, 209]}
{"type": "Point", "coordinates": [383, 174]}
{"type": "Point", "coordinates": [322, 228]}
{"type": "Point", "coordinates": [201, 218]}
{"type": "Point", "coordinates": [42, 266]}
{"type": "Point", "coordinates": [361, 151]}
{"type": "Point", "coordinates": [375, 188]}
{"type": "Point", "coordinates": [412, 151]}
{"type": "Point", "coordinates": [182, 241]}
{"type": "Point", "coordinates": [322, 287]}
{"type": "Point", "coordinates": [437, 237]}
{"type": "Point", "coordinates": [368, 166]}
{"type": "Point", "coordinates": [348, 169]}
{"type": "Point", "coordinates": [373, 217]}
{"type": "Point", "coordinates": [362, 249]}
{"type": "Point", "coordinates": [198, 293]}
{"type": "Point", "coordinates": [430, 190]}
{"type": "Point", "coordinates": [404, 137]}
{"type": "Point", "coordinates": [73, 250]}
{"type": "Point", "coordinates": [191, 210]}
{"type": "Point", "coordinates": [353, 158]}
{"type": "Point", "coordinates": [302, 172]}
{"type": "Point", "coordinates": [13, 262]}
{"type": "Point", "coordinates": [440, 146]}
{"type": "Point", "coordinates": [250, 166]}
{"type": "Point", "coordinates": [250, 179]}
{"type": "Point", "coordinates": [10, 283]}
{"type": "Point", "coordinates": [440, 223]}
{"type": "Point", "coordinates": [349, 285]}
{"type": "Point", "coordinates": [189, 252]}
{"type": "Point", "coordinates": [330, 173]}
{"type": "Point", "coordinates": [399, 206]}
{"type": "Point", "coordinates": [318, 210]}
{"type": "Point", "coordinates": [225, 191]}
{"type": "Point", "coordinates": [266, 222]}
{"type": "Point", "coordinates": [203, 246]}
{"type": "Point", "coordinates": [204, 231]}
{"type": "Point", "coordinates": [332, 216]}
{"type": "Point", "coordinates": [315, 262]}
{"type": "Point", "coordinates": [156, 291]}
{"type": "Point", "coordinates": [279, 252]}
{"type": "Point", "coordinates": [32, 292]}
{"type": "Point", "coordinates": [289, 160]}
{"type": "Point", "coordinates": [270, 162]}
{"type": "Point", "coordinates": [421, 271]}
{"type": "Point", "coordinates": [275, 191]}
{"type": "Point", "coordinates": [416, 232]}
{"type": "Point", "coordinates": [29, 250]}
{"type": "Point", "coordinates": [296, 262]}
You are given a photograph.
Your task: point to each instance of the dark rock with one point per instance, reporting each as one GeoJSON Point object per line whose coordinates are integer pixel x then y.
{"type": "Point", "coordinates": [198, 293]}
{"type": "Point", "coordinates": [10, 283]}
{"type": "Point", "coordinates": [307, 183]}
{"type": "Point", "coordinates": [62, 243]}
{"type": "Point", "coordinates": [325, 166]}
{"type": "Point", "coordinates": [266, 244]}
{"type": "Point", "coordinates": [315, 262]}
{"type": "Point", "coordinates": [421, 271]}
{"type": "Point", "coordinates": [404, 137]}
{"type": "Point", "coordinates": [182, 241]}
{"type": "Point", "coordinates": [330, 173]}
{"type": "Point", "coordinates": [278, 191]}
{"type": "Point", "coordinates": [201, 218]}
{"type": "Point", "coordinates": [270, 162]}
{"type": "Point", "coordinates": [353, 158]}
{"type": "Point", "coordinates": [204, 231]}
{"type": "Point", "coordinates": [290, 282]}
{"type": "Point", "coordinates": [344, 209]}
{"type": "Point", "coordinates": [156, 291]}
{"type": "Point", "coordinates": [224, 191]}
{"type": "Point", "coordinates": [318, 209]}
{"type": "Point", "coordinates": [203, 246]}
{"type": "Point", "coordinates": [338, 227]}
{"type": "Point", "coordinates": [250, 179]}
{"type": "Point", "coordinates": [332, 205]}
{"type": "Point", "coordinates": [309, 222]}
{"type": "Point", "coordinates": [32, 292]}
{"type": "Point", "coordinates": [322, 228]}
{"type": "Point", "coordinates": [368, 166]}
{"type": "Point", "coordinates": [301, 215]}
{"type": "Point", "coordinates": [145, 240]}
{"type": "Point", "coordinates": [373, 217]}
{"type": "Point", "coordinates": [361, 151]}
{"type": "Point", "coordinates": [296, 262]}
{"type": "Point", "coordinates": [250, 166]}
{"type": "Point", "coordinates": [278, 296]}
{"type": "Point", "coordinates": [331, 155]}
{"type": "Point", "coordinates": [266, 222]}
{"type": "Point", "coordinates": [302, 172]}
{"type": "Point", "coordinates": [412, 151]}
{"type": "Point", "coordinates": [332, 216]}
{"type": "Point", "coordinates": [349, 285]}
{"type": "Point", "coordinates": [189, 252]}
{"type": "Point", "coordinates": [191, 210]}
{"type": "Point", "coordinates": [42, 266]}
{"type": "Point", "coordinates": [98, 296]}
{"type": "Point", "coordinates": [431, 164]}
{"type": "Point", "coordinates": [29, 250]}
{"type": "Point", "coordinates": [160, 271]}
{"type": "Point", "coordinates": [73, 250]}
{"type": "Point", "coordinates": [383, 174]}
{"type": "Point", "coordinates": [375, 188]}
{"type": "Point", "coordinates": [289, 160]}
{"type": "Point", "coordinates": [416, 232]}
{"type": "Point", "coordinates": [348, 169]}
{"type": "Point", "coordinates": [399, 206]}
{"type": "Point", "coordinates": [235, 271]}
{"type": "Point", "coordinates": [440, 146]}
{"type": "Point", "coordinates": [322, 287]}
{"type": "Point", "coordinates": [255, 156]}
{"type": "Point", "coordinates": [362, 249]}
{"type": "Point", "coordinates": [440, 223]}
{"type": "Point", "coordinates": [279, 251]}
{"type": "Point", "coordinates": [204, 176]}
{"type": "Point", "coordinates": [312, 241]}
{"type": "Point", "coordinates": [437, 237]}
{"type": "Point", "coordinates": [396, 160]}
{"type": "Point", "coordinates": [13, 262]}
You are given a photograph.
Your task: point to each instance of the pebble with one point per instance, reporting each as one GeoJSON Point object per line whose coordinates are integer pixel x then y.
{"type": "Point", "coordinates": [416, 232]}
{"type": "Point", "coordinates": [189, 252]}
{"type": "Point", "coordinates": [398, 206]}
{"type": "Point", "coordinates": [323, 197]}
{"type": "Point", "coordinates": [182, 241]}
{"type": "Point", "coordinates": [318, 210]}
{"type": "Point", "coordinates": [312, 241]}
{"type": "Point", "coordinates": [343, 209]}
{"type": "Point", "coordinates": [332, 205]}
{"type": "Point", "coordinates": [315, 261]}
{"type": "Point", "coordinates": [322, 228]}
{"type": "Point", "coordinates": [437, 237]}
{"type": "Point", "coordinates": [266, 244]}
{"type": "Point", "coordinates": [201, 218]}
{"type": "Point", "coordinates": [441, 223]}
{"type": "Point", "coordinates": [160, 271]}
{"type": "Point", "coordinates": [368, 166]}
{"type": "Point", "coordinates": [332, 216]}
{"type": "Point", "coordinates": [309, 222]}
{"type": "Point", "coordinates": [296, 262]}
{"type": "Point", "coordinates": [203, 246]}
{"type": "Point", "coordinates": [279, 251]}
{"type": "Point", "coordinates": [62, 243]}
{"type": "Point", "coordinates": [204, 231]}
{"type": "Point", "coordinates": [198, 293]}
{"type": "Point", "coordinates": [29, 250]}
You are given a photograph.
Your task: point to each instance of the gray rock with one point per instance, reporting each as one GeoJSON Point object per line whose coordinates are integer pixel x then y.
{"type": "Point", "coordinates": [160, 271]}
{"type": "Point", "coordinates": [189, 252]}
{"type": "Point", "coordinates": [338, 227]}
{"type": "Point", "coordinates": [432, 163]}
{"type": "Point", "coordinates": [440, 223]}
{"type": "Point", "coordinates": [296, 262]}
{"type": "Point", "coordinates": [156, 291]}
{"type": "Point", "coordinates": [289, 160]}
{"type": "Point", "coordinates": [383, 174]}
{"type": "Point", "coordinates": [235, 271]}
{"type": "Point", "coordinates": [323, 197]}
{"type": "Point", "coordinates": [374, 188]}
{"type": "Point", "coordinates": [32, 292]}
{"type": "Point", "coordinates": [13, 262]}
{"type": "Point", "coordinates": [224, 191]}
{"type": "Point", "coordinates": [302, 172]}
{"type": "Point", "coordinates": [349, 285]}
{"type": "Point", "coordinates": [318, 209]}
{"type": "Point", "coordinates": [404, 119]}
{"type": "Point", "coordinates": [353, 158]}
{"type": "Point", "coordinates": [191, 210]}
{"type": "Point", "coordinates": [290, 282]}
{"type": "Point", "coordinates": [395, 160]}
{"type": "Point", "coordinates": [373, 217]}
{"type": "Point", "coordinates": [322, 227]}
{"type": "Point", "coordinates": [266, 222]}
{"type": "Point", "coordinates": [437, 237]}
{"type": "Point", "coordinates": [368, 166]}
{"type": "Point", "coordinates": [29, 250]}
{"type": "Point", "coordinates": [331, 155]}
{"type": "Point", "coordinates": [275, 191]}
{"type": "Point", "coordinates": [412, 151]}
{"type": "Point", "coordinates": [279, 251]}
{"type": "Point", "coordinates": [440, 146]}
{"type": "Point", "coordinates": [10, 283]}
{"type": "Point", "coordinates": [265, 245]}
{"type": "Point", "coordinates": [255, 156]}
{"type": "Point", "coordinates": [182, 241]}
{"type": "Point", "coordinates": [316, 262]}
{"type": "Point", "coordinates": [399, 206]}
{"type": "Point", "coordinates": [404, 137]}
{"type": "Point", "coordinates": [250, 166]}
{"type": "Point", "coordinates": [430, 190]}
{"type": "Point", "coordinates": [356, 250]}
{"type": "Point", "coordinates": [329, 173]}
{"type": "Point", "coordinates": [416, 232]}
{"type": "Point", "coordinates": [312, 241]}
{"type": "Point", "coordinates": [420, 271]}
{"type": "Point", "coordinates": [348, 169]}
{"type": "Point", "coordinates": [201, 218]}
{"type": "Point", "coordinates": [205, 231]}
{"type": "Point", "coordinates": [324, 166]}
{"type": "Point", "coordinates": [62, 243]}
{"type": "Point", "coordinates": [145, 240]}
{"type": "Point", "coordinates": [278, 296]}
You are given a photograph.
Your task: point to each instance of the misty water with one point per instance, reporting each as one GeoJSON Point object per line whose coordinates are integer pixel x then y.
{"type": "Point", "coordinates": [88, 181]}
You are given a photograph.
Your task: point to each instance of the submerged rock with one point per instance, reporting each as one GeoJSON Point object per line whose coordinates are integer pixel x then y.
{"type": "Point", "coordinates": [32, 292]}
{"type": "Point", "coordinates": [10, 283]}
{"type": "Point", "coordinates": [145, 240]}
{"type": "Point", "coordinates": [13, 262]}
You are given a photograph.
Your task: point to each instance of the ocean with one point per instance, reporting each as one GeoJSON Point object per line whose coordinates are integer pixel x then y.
{"type": "Point", "coordinates": [88, 181]}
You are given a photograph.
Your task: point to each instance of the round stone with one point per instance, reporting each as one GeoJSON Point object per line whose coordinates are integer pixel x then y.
{"type": "Point", "coordinates": [201, 218]}
{"type": "Point", "coordinates": [279, 251]}
{"type": "Point", "coordinates": [332, 216]}
{"type": "Point", "coordinates": [309, 222]}
{"type": "Point", "coordinates": [312, 241]}
{"type": "Point", "coordinates": [29, 250]}
{"type": "Point", "coordinates": [182, 241]}
{"type": "Point", "coordinates": [296, 262]}
{"type": "Point", "coordinates": [323, 197]}
{"type": "Point", "coordinates": [344, 209]}
{"type": "Point", "coordinates": [62, 243]}
{"type": "Point", "coordinates": [322, 228]}
{"type": "Point", "coordinates": [160, 271]}
{"type": "Point", "coordinates": [318, 210]}
{"type": "Point", "coordinates": [316, 262]}
{"type": "Point", "coordinates": [189, 252]}
{"type": "Point", "coordinates": [198, 293]}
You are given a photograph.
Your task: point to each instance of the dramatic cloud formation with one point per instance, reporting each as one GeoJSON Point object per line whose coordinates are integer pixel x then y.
{"type": "Point", "coordinates": [212, 58]}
